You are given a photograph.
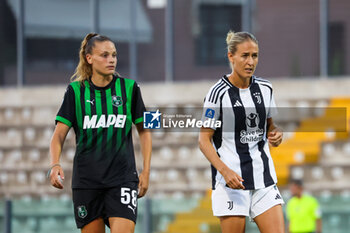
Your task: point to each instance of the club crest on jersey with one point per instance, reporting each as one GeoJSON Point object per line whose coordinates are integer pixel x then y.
{"type": "Point", "coordinates": [82, 212]}
{"type": "Point", "coordinates": [117, 101]}
{"type": "Point", "coordinates": [258, 97]}
{"type": "Point", "coordinates": [252, 120]}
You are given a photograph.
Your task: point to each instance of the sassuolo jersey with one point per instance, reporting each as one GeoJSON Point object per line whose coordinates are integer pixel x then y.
{"type": "Point", "coordinates": [241, 141]}
{"type": "Point", "coordinates": [102, 118]}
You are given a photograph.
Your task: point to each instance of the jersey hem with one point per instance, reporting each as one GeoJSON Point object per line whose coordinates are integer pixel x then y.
{"type": "Point", "coordinates": [64, 121]}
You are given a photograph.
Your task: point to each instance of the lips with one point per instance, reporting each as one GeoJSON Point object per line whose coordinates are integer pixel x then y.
{"type": "Point", "coordinates": [248, 69]}
{"type": "Point", "coordinates": [110, 67]}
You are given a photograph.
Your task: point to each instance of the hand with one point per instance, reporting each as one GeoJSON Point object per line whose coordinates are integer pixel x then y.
{"type": "Point", "coordinates": [143, 183]}
{"type": "Point", "coordinates": [57, 177]}
{"type": "Point", "coordinates": [233, 180]}
{"type": "Point", "coordinates": [275, 137]}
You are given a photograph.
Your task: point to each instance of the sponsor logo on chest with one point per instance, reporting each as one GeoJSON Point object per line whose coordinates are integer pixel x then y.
{"type": "Point", "coordinates": [105, 121]}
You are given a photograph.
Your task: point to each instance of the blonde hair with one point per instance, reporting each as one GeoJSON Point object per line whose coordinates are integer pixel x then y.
{"type": "Point", "coordinates": [84, 69]}
{"type": "Point", "coordinates": [235, 38]}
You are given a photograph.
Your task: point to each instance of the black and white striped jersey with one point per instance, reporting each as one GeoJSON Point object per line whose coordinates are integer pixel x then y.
{"type": "Point", "coordinates": [241, 141]}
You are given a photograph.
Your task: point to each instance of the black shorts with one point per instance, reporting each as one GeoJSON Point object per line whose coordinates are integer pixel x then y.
{"type": "Point", "coordinates": [90, 204]}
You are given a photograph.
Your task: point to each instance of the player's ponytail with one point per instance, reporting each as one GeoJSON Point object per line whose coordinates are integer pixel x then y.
{"type": "Point", "coordinates": [84, 69]}
{"type": "Point", "coordinates": [235, 38]}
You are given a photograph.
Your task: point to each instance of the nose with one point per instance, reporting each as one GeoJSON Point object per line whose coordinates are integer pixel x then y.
{"type": "Point", "coordinates": [250, 60]}
{"type": "Point", "coordinates": [112, 59]}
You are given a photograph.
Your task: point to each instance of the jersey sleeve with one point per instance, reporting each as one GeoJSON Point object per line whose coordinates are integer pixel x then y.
{"type": "Point", "coordinates": [273, 108]}
{"type": "Point", "coordinates": [211, 109]}
{"type": "Point", "coordinates": [138, 107]}
{"type": "Point", "coordinates": [66, 113]}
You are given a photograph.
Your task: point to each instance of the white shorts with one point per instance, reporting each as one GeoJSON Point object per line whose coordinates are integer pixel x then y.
{"type": "Point", "coordinates": [231, 202]}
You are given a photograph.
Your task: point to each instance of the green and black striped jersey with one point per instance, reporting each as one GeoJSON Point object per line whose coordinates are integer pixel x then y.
{"type": "Point", "coordinates": [102, 119]}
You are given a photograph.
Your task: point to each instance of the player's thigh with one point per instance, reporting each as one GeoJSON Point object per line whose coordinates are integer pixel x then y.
{"type": "Point", "coordinates": [271, 221]}
{"type": "Point", "coordinates": [232, 224]}
{"type": "Point", "coordinates": [121, 225]}
{"type": "Point", "coordinates": [230, 202]}
{"type": "Point", "coordinates": [88, 206]}
{"type": "Point", "coordinates": [96, 226]}
{"type": "Point", "coordinates": [121, 202]}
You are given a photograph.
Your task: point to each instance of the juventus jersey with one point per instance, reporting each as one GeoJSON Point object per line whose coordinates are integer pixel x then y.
{"type": "Point", "coordinates": [102, 118]}
{"type": "Point", "coordinates": [241, 141]}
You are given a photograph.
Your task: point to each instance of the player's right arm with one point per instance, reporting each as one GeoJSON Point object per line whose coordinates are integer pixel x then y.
{"type": "Point", "coordinates": [65, 119]}
{"type": "Point", "coordinates": [211, 111]}
{"type": "Point", "coordinates": [56, 146]}
{"type": "Point", "coordinates": [233, 180]}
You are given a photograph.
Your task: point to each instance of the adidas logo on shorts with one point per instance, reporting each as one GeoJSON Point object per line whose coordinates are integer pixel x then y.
{"type": "Point", "coordinates": [278, 197]}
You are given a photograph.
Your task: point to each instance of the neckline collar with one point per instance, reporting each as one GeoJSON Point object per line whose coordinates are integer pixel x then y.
{"type": "Point", "coordinates": [105, 87]}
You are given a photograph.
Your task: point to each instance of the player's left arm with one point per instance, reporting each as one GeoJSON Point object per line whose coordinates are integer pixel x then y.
{"type": "Point", "coordinates": [274, 133]}
{"type": "Point", "coordinates": [146, 150]}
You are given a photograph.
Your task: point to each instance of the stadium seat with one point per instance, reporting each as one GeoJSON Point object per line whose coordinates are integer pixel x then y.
{"type": "Point", "coordinates": [22, 177]}
{"type": "Point", "coordinates": [184, 153]}
{"type": "Point", "coordinates": [166, 153]}
{"type": "Point", "coordinates": [328, 149]}
{"type": "Point", "coordinates": [346, 148]}
{"type": "Point", "coordinates": [34, 155]}
{"type": "Point", "coordinates": [178, 195]}
{"type": "Point", "coordinates": [172, 175]}
{"type": "Point", "coordinates": [4, 177]}
{"type": "Point", "coordinates": [317, 173]}
{"type": "Point", "coordinates": [44, 116]}
{"type": "Point", "coordinates": [337, 173]}
{"type": "Point", "coordinates": [299, 156]}
{"type": "Point", "coordinates": [38, 177]}
{"type": "Point", "coordinates": [297, 173]}
{"type": "Point", "coordinates": [30, 134]}
{"type": "Point", "coordinates": [9, 114]}
{"type": "Point", "coordinates": [26, 115]}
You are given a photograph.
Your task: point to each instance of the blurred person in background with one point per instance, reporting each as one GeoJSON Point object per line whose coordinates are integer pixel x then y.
{"type": "Point", "coordinates": [244, 177]}
{"type": "Point", "coordinates": [101, 107]}
{"type": "Point", "coordinates": [303, 211]}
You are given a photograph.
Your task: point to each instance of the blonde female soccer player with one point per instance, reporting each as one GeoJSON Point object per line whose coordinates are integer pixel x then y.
{"type": "Point", "coordinates": [101, 107]}
{"type": "Point", "coordinates": [244, 178]}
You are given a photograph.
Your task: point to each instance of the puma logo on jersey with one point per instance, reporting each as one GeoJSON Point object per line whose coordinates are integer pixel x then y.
{"type": "Point", "coordinates": [90, 101]}
{"type": "Point", "coordinates": [104, 121]}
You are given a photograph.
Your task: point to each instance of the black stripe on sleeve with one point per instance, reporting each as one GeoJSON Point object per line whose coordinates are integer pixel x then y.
{"type": "Point", "coordinates": [218, 94]}
{"type": "Point", "coordinates": [260, 109]}
{"type": "Point", "coordinates": [242, 148]}
{"type": "Point", "coordinates": [213, 92]}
